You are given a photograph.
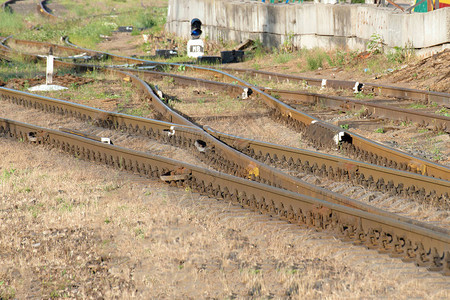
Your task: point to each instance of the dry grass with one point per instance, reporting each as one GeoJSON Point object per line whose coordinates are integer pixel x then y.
{"type": "Point", "coordinates": [70, 228]}
{"type": "Point", "coordinates": [199, 102]}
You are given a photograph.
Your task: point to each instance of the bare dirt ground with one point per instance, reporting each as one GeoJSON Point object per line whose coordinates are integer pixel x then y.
{"type": "Point", "coordinates": [431, 73]}
{"type": "Point", "coordinates": [24, 7]}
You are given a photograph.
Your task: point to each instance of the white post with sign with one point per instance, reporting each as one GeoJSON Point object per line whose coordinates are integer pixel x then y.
{"type": "Point", "coordinates": [48, 86]}
{"type": "Point", "coordinates": [195, 48]}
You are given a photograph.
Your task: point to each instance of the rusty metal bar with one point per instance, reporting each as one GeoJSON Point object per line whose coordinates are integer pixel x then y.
{"type": "Point", "coordinates": [378, 89]}
{"type": "Point", "coordinates": [348, 166]}
{"type": "Point", "coordinates": [241, 164]}
{"type": "Point", "coordinates": [393, 113]}
{"type": "Point", "coordinates": [42, 9]}
{"type": "Point", "coordinates": [396, 5]}
{"type": "Point", "coordinates": [303, 121]}
{"type": "Point", "coordinates": [427, 247]}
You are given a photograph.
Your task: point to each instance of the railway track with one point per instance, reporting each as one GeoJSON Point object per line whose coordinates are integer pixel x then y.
{"type": "Point", "coordinates": [377, 89]}
{"type": "Point", "coordinates": [367, 180]}
{"type": "Point", "coordinates": [132, 128]}
{"type": "Point", "coordinates": [235, 163]}
{"type": "Point", "coordinates": [313, 128]}
{"type": "Point", "coordinates": [369, 108]}
{"type": "Point", "coordinates": [429, 248]}
{"type": "Point", "coordinates": [107, 121]}
{"type": "Point", "coordinates": [27, 6]}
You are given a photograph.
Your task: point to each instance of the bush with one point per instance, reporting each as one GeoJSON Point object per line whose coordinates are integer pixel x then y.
{"type": "Point", "coordinates": [315, 59]}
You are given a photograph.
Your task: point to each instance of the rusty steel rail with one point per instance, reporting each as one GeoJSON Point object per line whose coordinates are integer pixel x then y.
{"type": "Point", "coordinates": [323, 134]}
{"type": "Point", "coordinates": [393, 113]}
{"type": "Point", "coordinates": [367, 175]}
{"type": "Point", "coordinates": [214, 152]}
{"type": "Point", "coordinates": [319, 132]}
{"type": "Point", "coordinates": [5, 4]}
{"type": "Point", "coordinates": [47, 46]}
{"type": "Point", "coordinates": [426, 247]}
{"type": "Point", "coordinates": [378, 89]}
{"type": "Point", "coordinates": [42, 9]}
{"type": "Point", "coordinates": [234, 90]}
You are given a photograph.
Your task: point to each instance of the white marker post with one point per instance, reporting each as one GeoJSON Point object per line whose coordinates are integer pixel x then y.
{"type": "Point", "coordinates": [48, 86]}
{"type": "Point", "coordinates": [49, 74]}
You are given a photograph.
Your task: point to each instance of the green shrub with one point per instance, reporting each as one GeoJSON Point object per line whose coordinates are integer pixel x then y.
{"type": "Point", "coordinates": [400, 54]}
{"type": "Point", "coordinates": [259, 51]}
{"type": "Point", "coordinates": [375, 44]}
{"type": "Point", "coordinates": [282, 58]}
{"type": "Point", "coordinates": [315, 58]}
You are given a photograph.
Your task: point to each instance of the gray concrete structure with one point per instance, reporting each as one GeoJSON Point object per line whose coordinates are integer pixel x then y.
{"type": "Point", "coordinates": [310, 25]}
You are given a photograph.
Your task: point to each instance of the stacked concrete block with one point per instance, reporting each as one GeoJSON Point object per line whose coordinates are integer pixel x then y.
{"type": "Point", "coordinates": [310, 25]}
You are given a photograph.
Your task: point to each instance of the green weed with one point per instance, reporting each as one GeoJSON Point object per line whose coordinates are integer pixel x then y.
{"type": "Point", "coordinates": [288, 44]}
{"type": "Point", "coordinates": [35, 209]}
{"type": "Point", "coordinates": [443, 112]}
{"type": "Point", "coordinates": [139, 232]}
{"type": "Point", "coordinates": [283, 58]}
{"type": "Point", "coordinates": [361, 112]}
{"type": "Point", "coordinates": [25, 190]}
{"type": "Point", "coordinates": [339, 58]}
{"type": "Point", "coordinates": [111, 187]}
{"type": "Point", "coordinates": [10, 23]}
{"type": "Point", "coordinates": [405, 123]}
{"type": "Point", "coordinates": [89, 35]}
{"type": "Point", "coordinates": [19, 68]}
{"type": "Point", "coordinates": [9, 293]}
{"type": "Point", "coordinates": [256, 66]}
{"type": "Point", "coordinates": [379, 130]}
{"type": "Point", "coordinates": [315, 59]}
{"type": "Point", "coordinates": [259, 51]}
{"type": "Point", "coordinates": [361, 95]}
{"type": "Point", "coordinates": [6, 174]}
{"type": "Point", "coordinates": [151, 20]}
{"type": "Point", "coordinates": [401, 54]}
{"type": "Point", "coordinates": [375, 44]}
{"type": "Point", "coordinates": [437, 154]}
{"type": "Point", "coordinates": [54, 294]}
{"type": "Point", "coordinates": [417, 106]}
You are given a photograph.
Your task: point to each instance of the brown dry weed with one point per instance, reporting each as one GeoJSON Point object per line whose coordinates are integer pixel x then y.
{"type": "Point", "coordinates": [76, 229]}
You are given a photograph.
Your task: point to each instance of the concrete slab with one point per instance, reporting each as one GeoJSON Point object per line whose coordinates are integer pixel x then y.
{"type": "Point", "coordinates": [47, 88]}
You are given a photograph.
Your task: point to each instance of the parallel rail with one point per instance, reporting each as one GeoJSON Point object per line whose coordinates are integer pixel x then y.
{"type": "Point", "coordinates": [410, 187]}
{"type": "Point", "coordinates": [42, 9]}
{"type": "Point", "coordinates": [367, 175]}
{"type": "Point", "coordinates": [215, 152]}
{"type": "Point", "coordinates": [320, 132]}
{"type": "Point", "coordinates": [396, 236]}
{"type": "Point", "coordinates": [437, 122]}
{"type": "Point", "coordinates": [377, 89]}
{"type": "Point", "coordinates": [233, 162]}
{"type": "Point", "coordinates": [426, 247]}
